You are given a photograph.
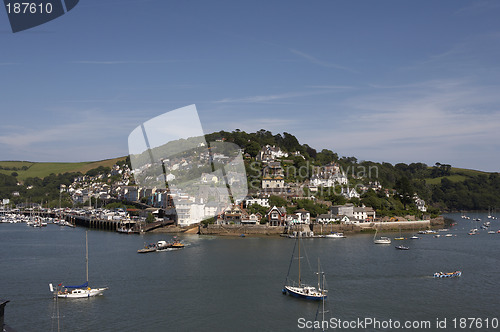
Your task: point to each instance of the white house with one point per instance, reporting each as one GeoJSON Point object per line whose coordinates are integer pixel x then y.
{"type": "Point", "coordinates": [349, 193]}
{"type": "Point", "coordinates": [260, 201]}
{"type": "Point", "coordinates": [302, 216]}
{"type": "Point", "coordinates": [421, 205]}
{"type": "Point", "coordinates": [269, 153]}
{"type": "Point", "coordinates": [189, 212]}
{"type": "Point", "coordinates": [363, 213]}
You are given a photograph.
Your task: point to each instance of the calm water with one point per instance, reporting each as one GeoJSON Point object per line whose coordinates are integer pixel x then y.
{"type": "Point", "coordinates": [229, 284]}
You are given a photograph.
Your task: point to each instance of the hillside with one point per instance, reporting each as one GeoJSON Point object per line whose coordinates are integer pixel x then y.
{"type": "Point", "coordinates": [27, 169]}
{"type": "Point", "coordinates": [388, 188]}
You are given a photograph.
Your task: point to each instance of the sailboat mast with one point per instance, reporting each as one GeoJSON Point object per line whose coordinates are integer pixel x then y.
{"type": "Point", "coordinates": [298, 234]}
{"type": "Point", "coordinates": [87, 256]}
{"type": "Point", "coordinates": [319, 276]}
{"type": "Point", "coordinates": [323, 300]}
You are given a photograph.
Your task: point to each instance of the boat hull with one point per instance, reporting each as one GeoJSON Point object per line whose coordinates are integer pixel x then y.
{"type": "Point", "coordinates": [447, 275]}
{"type": "Point", "coordinates": [335, 236]}
{"type": "Point", "coordinates": [382, 241]}
{"type": "Point", "coordinates": [82, 293]}
{"type": "Point", "coordinates": [300, 292]}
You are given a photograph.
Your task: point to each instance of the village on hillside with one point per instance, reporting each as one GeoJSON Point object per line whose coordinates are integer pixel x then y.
{"type": "Point", "coordinates": [284, 189]}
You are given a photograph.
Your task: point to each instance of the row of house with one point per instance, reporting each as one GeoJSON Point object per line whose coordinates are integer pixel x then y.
{"type": "Point", "coordinates": [347, 214]}
{"type": "Point", "coordinates": [278, 216]}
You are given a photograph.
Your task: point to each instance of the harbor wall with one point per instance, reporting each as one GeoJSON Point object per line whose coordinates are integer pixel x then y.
{"type": "Point", "coordinates": [235, 230]}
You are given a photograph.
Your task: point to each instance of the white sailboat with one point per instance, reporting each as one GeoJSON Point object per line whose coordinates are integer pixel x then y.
{"type": "Point", "coordinates": [302, 290]}
{"type": "Point", "coordinates": [80, 291]}
{"type": "Point", "coordinates": [381, 240]}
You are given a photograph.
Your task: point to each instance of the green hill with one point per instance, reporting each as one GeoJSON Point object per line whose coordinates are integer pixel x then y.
{"type": "Point", "coordinates": [27, 169]}
{"type": "Point", "coordinates": [456, 175]}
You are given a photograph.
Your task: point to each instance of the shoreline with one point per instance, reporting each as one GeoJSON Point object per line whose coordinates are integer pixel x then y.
{"type": "Point", "coordinates": [318, 229]}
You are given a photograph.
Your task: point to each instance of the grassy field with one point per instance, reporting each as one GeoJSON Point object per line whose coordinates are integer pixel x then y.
{"type": "Point", "coordinates": [467, 172]}
{"type": "Point", "coordinates": [452, 178]}
{"type": "Point", "coordinates": [457, 175]}
{"type": "Point", "coordinates": [41, 170]}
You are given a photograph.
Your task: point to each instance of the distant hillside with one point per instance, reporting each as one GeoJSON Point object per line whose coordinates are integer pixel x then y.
{"type": "Point", "coordinates": [27, 169]}
{"type": "Point", "coordinates": [441, 186]}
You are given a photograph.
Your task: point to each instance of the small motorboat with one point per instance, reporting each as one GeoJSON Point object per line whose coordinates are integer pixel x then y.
{"type": "Point", "coordinates": [177, 244]}
{"type": "Point", "coordinates": [447, 275]}
{"type": "Point", "coordinates": [148, 248]}
{"type": "Point", "coordinates": [401, 247]}
{"type": "Point", "coordinates": [414, 237]}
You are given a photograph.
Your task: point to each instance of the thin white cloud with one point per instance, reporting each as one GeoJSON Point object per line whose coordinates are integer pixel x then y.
{"type": "Point", "coordinates": [121, 62]}
{"type": "Point", "coordinates": [322, 63]}
{"type": "Point", "coordinates": [330, 87]}
{"type": "Point", "coordinates": [80, 135]}
{"type": "Point", "coordinates": [436, 121]}
{"type": "Point", "coordinates": [268, 98]}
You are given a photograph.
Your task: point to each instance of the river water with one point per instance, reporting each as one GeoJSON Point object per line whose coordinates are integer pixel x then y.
{"type": "Point", "coordinates": [228, 284]}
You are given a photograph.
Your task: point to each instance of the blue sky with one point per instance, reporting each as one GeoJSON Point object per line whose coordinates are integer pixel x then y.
{"type": "Point", "coordinates": [395, 81]}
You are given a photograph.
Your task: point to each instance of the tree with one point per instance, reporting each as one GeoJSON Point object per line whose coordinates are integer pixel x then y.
{"type": "Point", "coordinates": [290, 142]}
{"type": "Point", "coordinates": [277, 201]}
{"type": "Point", "coordinates": [150, 218]}
{"type": "Point", "coordinates": [252, 149]}
{"type": "Point", "coordinates": [405, 191]}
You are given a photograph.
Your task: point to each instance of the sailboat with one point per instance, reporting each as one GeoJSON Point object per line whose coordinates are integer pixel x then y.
{"type": "Point", "coordinates": [302, 290]}
{"type": "Point", "coordinates": [79, 291]}
{"type": "Point", "coordinates": [381, 240]}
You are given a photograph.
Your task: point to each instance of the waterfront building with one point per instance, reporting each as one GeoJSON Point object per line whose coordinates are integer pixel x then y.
{"type": "Point", "coordinates": [276, 216]}
{"type": "Point", "coordinates": [189, 212]}
{"type": "Point", "coordinates": [300, 216]}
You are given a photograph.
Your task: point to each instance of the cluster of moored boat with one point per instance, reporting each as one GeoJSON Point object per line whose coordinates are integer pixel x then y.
{"type": "Point", "coordinates": [332, 235]}
{"type": "Point", "coordinates": [33, 220]}
{"type": "Point", "coordinates": [485, 226]}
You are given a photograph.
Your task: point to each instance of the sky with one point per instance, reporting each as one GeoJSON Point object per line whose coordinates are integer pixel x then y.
{"type": "Point", "coordinates": [394, 81]}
